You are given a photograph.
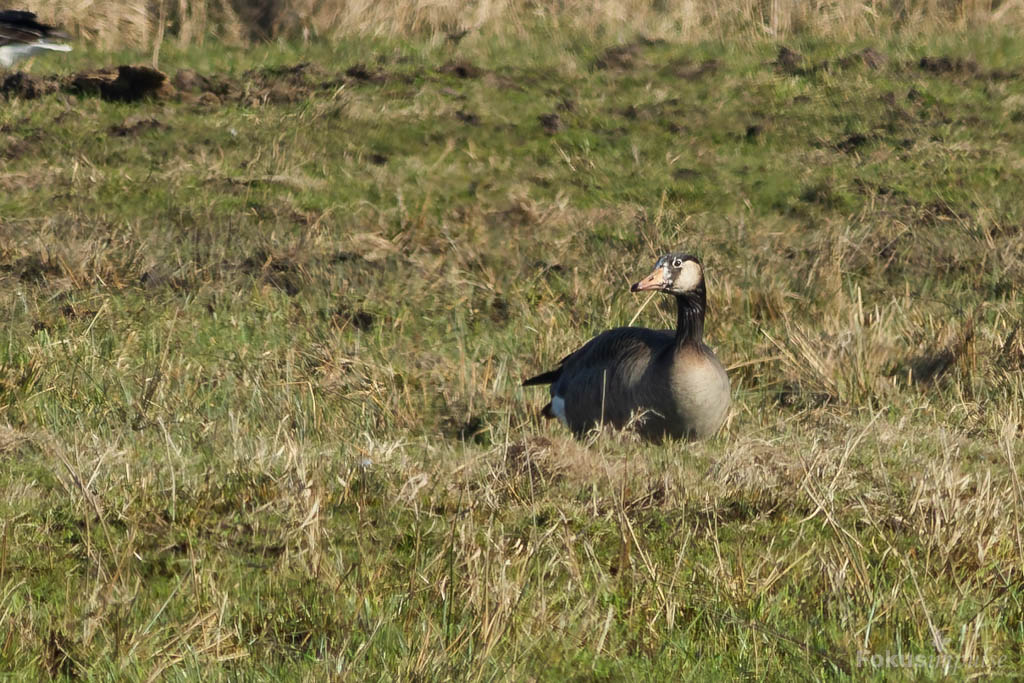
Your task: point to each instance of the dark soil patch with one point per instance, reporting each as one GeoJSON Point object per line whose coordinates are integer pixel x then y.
{"type": "Point", "coordinates": [793, 63]}
{"type": "Point", "coordinates": [303, 73]}
{"type": "Point", "coordinates": [188, 80]}
{"type": "Point", "coordinates": [467, 117]}
{"type": "Point", "coordinates": [473, 428]}
{"type": "Point", "coordinates": [517, 215]}
{"type": "Point", "coordinates": [71, 313]}
{"type": "Point", "coordinates": [158, 277]}
{"type": "Point", "coordinates": [948, 65]}
{"type": "Point", "coordinates": [134, 125]}
{"type": "Point", "coordinates": [28, 87]}
{"type": "Point", "coordinates": [939, 212]}
{"type": "Point", "coordinates": [362, 73]}
{"type": "Point", "coordinates": [867, 187]}
{"type": "Point", "coordinates": [345, 257]}
{"type": "Point", "coordinates": [914, 95]}
{"type": "Point", "coordinates": [1000, 75]}
{"type": "Point", "coordinates": [852, 142]}
{"type": "Point", "coordinates": [461, 69]}
{"type": "Point", "coordinates": [546, 269]}
{"type": "Point", "coordinates": [795, 395]}
{"type": "Point", "coordinates": [455, 37]}
{"type": "Point", "coordinates": [552, 123]}
{"type": "Point", "coordinates": [206, 99]}
{"type": "Point", "coordinates": [928, 368]}
{"type": "Point", "coordinates": [61, 656]}
{"type": "Point", "coordinates": [358, 318]}
{"type": "Point", "coordinates": [822, 194]}
{"type": "Point", "coordinates": [34, 268]}
{"type": "Point", "coordinates": [14, 147]}
{"type": "Point", "coordinates": [123, 84]}
{"type": "Point", "coordinates": [279, 93]}
{"type": "Point", "coordinates": [280, 272]}
{"type": "Point", "coordinates": [869, 57]}
{"type": "Point", "coordinates": [790, 61]}
{"type": "Point", "coordinates": [634, 112]}
{"type": "Point", "coordinates": [896, 113]}
{"type": "Point", "coordinates": [1011, 353]}
{"type": "Point", "coordinates": [665, 111]}
{"type": "Point", "coordinates": [686, 70]}
{"type": "Point", "coordinates": [621, 58]}
{"type": "Point", "coordinates": [286, 84]}
{"type": "Point", "coordinates": [964, 68]}
{"type": "Point", "coordinates": [499, 310]}
{"type": "Point", "coordinates": [534, 460]}
{"type": "Point", "coordinates": [519, 460]}
{"type": "Point", "coordinates": [490, 309]}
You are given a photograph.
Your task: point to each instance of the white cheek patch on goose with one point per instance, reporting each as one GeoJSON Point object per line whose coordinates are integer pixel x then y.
{"type": "Point", "coordinates": [689, 277]}
{"type": "Point", "coordinates": [558, 409]}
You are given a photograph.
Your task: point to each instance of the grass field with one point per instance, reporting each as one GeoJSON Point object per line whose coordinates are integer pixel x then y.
{"type": "Point", "coordinates": [263, 340]}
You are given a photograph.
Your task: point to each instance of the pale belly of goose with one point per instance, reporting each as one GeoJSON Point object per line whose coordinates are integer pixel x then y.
{"type": "Point", "coordinates": [685, 400]}
{"type": "Point", "coordinates": [700, 391]}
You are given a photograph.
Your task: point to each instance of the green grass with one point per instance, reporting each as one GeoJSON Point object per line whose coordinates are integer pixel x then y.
{"type": "Point", "coordinates": [260, 368]}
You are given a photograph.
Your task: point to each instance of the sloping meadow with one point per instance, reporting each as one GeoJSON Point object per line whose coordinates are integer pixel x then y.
{"type": "Point", "coordinates": [265, 328]}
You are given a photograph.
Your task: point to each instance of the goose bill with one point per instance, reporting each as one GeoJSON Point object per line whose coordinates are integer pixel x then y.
{"type": "Point", "coordinates": [655, 280]}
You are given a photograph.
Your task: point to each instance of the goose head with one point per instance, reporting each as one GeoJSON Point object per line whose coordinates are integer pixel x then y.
{"type": "Point", "coordinates": [677, 273]}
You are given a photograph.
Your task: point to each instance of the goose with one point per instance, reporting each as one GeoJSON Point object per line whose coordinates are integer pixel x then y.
{"type": "Point", "coordinates": [670, 380]}
{"type": "Point", "coordinates": [21, 36]}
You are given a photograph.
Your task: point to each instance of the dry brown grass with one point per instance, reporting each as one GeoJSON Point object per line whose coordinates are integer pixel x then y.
{"type": "Point", "coordinates": [261, 367]}
{"type": "Point", "coordinates": [141, 23]}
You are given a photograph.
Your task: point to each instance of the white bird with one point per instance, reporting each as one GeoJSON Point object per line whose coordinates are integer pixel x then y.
{"type": "Point", "coordinates": [21, 36]}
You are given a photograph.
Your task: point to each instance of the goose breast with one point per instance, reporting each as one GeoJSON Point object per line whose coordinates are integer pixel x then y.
{"type": "Point", "coordinates": [700, 390]}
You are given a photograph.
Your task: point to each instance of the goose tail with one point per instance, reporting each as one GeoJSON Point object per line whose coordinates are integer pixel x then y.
{"type": "Point", "coordinates": [543, 378]}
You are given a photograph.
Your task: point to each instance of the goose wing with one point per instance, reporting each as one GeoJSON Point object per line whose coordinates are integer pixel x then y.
{"type": "Point", "coordinates": [605, 349]}
{"type": "Point", "coordinates": [601, 381]}
{"type": "Point", "coordinates": [18, 27]}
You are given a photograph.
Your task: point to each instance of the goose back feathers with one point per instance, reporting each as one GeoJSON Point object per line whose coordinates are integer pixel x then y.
{"type": "Point", "coordinates": [22, 36]}
{"type": "Point", "coordinates": [669, 380]}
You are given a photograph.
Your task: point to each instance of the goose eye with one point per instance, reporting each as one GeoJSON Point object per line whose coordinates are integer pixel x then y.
{"type": "Point", "coordinates": [677, 263]}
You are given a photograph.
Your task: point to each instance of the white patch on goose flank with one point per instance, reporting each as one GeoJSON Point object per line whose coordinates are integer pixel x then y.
{"type": "Point", "coordinates": [12, 54]}
{"type": "Point", "coordinates": [558, 409]}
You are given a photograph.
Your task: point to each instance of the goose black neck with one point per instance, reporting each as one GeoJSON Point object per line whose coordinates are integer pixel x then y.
{"type": "Point", "coordinates": [690, 317]}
